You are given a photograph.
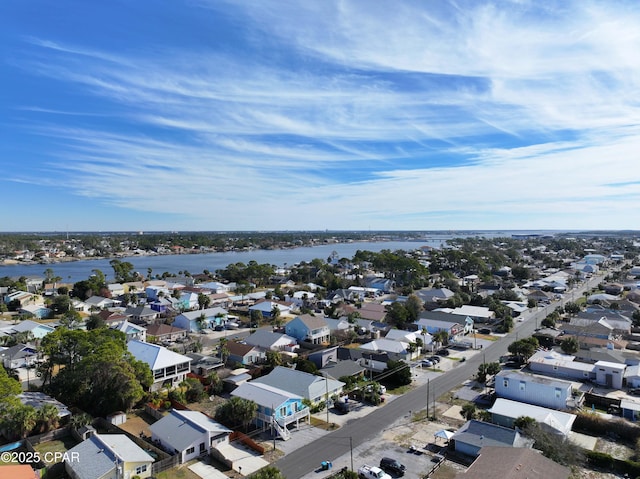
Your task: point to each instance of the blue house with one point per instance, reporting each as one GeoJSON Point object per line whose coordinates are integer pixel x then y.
{"type": "Point", "coordinates": [278, 410]}
{"type": "Point", "coordinates": [312, 329]}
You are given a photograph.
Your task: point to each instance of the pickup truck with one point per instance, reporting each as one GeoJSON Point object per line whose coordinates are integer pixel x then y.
{"type": "Point", "coordinates": [372, 472]}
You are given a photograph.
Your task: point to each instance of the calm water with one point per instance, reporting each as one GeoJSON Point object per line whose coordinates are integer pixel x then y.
{"type": "Point", "coordinates": [196, 263]}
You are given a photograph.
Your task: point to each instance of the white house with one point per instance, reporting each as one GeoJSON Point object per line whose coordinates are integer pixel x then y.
{"type": "Point", "coordinates": [169, 369]}
{"type": "Point", "coordinates": [504, 412]}
{"type": "Point", "coordinates": [532, 389]}
{"type": "Point", "coordinates": [190, 434]}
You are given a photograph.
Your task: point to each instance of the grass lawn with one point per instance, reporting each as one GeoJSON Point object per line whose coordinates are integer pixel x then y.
{"type": "Point", "coordinates": [182, 472]}
{"type": "Point", "coordinates": [58, 445]}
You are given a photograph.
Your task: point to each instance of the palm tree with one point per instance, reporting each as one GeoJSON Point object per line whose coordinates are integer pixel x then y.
{"type": "Point", "coordinates": [24, 420]}
{"type": "Point", "coordinates": [80, 420]}
{"type": "Point", "coordinates": [48, 418]}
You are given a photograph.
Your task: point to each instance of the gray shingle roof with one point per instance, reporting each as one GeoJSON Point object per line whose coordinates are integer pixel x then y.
{"type": "Point", "coordinates": [181, 428]}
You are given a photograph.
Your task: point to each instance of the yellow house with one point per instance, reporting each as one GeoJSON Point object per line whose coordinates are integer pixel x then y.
{"type": "Point", "coordinates": [107, 456]}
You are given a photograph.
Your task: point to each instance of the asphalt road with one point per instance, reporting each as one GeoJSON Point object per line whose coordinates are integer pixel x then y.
{"type": "Point", "coordinates": [335, 444]}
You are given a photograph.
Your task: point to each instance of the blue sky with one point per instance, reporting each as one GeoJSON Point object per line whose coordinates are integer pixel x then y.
{"type": "Point", "coordinates": [290, 115]}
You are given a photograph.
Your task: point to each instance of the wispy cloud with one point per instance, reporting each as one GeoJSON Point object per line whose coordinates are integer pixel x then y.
{"type": "Point", "coordinates": [352, 114]}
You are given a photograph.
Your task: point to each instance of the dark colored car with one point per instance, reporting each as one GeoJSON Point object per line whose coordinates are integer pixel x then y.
{"type": "Point", "coordinates": [434, 359]}
{"type": "Point", "coordinates": [443, 352]}
{"type": "Point", "coordinates": [392, 466]}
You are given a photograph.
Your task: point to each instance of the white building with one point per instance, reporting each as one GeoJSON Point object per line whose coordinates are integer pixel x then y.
{"type": "Point", "coordinates": [169, 368]}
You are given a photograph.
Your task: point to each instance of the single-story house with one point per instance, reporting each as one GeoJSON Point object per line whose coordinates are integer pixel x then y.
{"type": "Point", "coordinates": [36, 310]}
{"type": "Point", "coordinates": [190, 434]}
{"type": "Point", "coordinates": [396, 350]}
{"type": "Point", "coordinates": [244, 354]}
{"type": "Point", "coordinates": [131, 331]}
{"type": "Point", "coordinates": [265, 306]}
{"type": "Point", "coordinates": [165, 332]}
{"type": "Point", "coordinates": [504, 412]}
{"type": "Point", "coordinates": [141, 313]}
{"type": "Point", "coordinates": [19, 355]}
{"type": "Point", "coordinates": [38, 330]}
{"type": "Point", "coordinates": [107, 456]}
{"type": "Point", "coordinates": [38, 399]}
{"type": "Point", "coordinates": [268, 340]}
{"type": "Point", "coordinates": [474, 435]}
{"type": "Point", "coordinates": [513, 463]}
{"type": "Point", "coordinates": [194, 321]}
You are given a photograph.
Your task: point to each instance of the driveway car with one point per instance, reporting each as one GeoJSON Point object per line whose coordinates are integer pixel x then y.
{"type": "Point", "coordinates": [392, 466]}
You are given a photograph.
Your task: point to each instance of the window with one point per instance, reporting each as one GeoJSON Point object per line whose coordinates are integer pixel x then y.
{"type": "Point", "coordinates": [202, 447]}
{"type": "Point", "coordinates": [141, 469]}
{"type": "Point", "coordinates": [190, 450]}
{"type": "Point", "coordinates": [523, 385]}
{"type": "Point", "coordinates": [505, 383]}
{"type": "Point", "coordinates": [283, 411]}
{"type": "Point", "coordinates": [558, 393]}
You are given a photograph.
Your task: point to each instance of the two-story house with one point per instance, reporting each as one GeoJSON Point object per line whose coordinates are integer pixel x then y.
{"type": "Point", "coordinates": [308, 386]}
{"type": "Point", "coordinates": [195, 321]}
{"type": "Point", "coordinates": [307, 328]}
{"type": "Point", "coordinates": [532, 389]}
{"type": "Point", "coordinates": [169, 368]}
{"type": "Point", "coordinates": [277, 409]}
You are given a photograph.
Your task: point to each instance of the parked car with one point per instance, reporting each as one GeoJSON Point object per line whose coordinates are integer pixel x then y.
{"type": "Point", "coordinates": [427, 363]}
{"type": "Point", "coordinates": [443, 352]}
{"type": "Point", "coordinates": [392, 466]}
{"type": "Point", "coordinates": [634, 391]}
{"type": "Point", "coordinates": [434, 359]}
{"type": "Point", "coordinates": [219, 327]}
{"type": "Point", "coordinates": [372, 472]}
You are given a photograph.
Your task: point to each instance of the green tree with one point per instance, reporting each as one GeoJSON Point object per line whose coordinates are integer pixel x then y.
{"type": "Point", "coordinates": [268, 472]}
{"type": "Point", "coordinates": [95, 321]}
{"type": "Point", "coordinates": [98, 374]}
{"type": "Point", "coordinates": [71, 320]}
{"type": "Point", "coordinates": [306, 366]}
{"type": "Point", "coordinates": [273, 359]}
{"type": "Point", "coordinates": [468, 411]}
{"type": "Point", "coordinates": [569, 345]}
{"type": "Point", "coordinates": [524, 422]}
{"type": "Point", "coordinates": [398, 372]}
{"type": "Point", "coordinates": [524, 348]}
{"type": "Point", "coordinates": [256, 316]}
{"type": "Point", "coordinates": [194, 389]}
{"type": "Point", "coordinates": [47, 417]}
{"type": "Point", "coordinates": [204, 300]}
{"type": "Point", "coordinates": [487, 369]}
{"type": "Point", "coordinates": [397, 315]}
{"type": "Point", "coordinates": [414, 306]}
{"type": "Point", "coordinates": [215, 383]}
{"type": "Point", "coordinates": [236, 412]}
{"type": "Point", "coordinates": [123, 271]}
{"type": "Point", "coordinates": [441, 337]}
{"type": "Point", "coordinates": [61, 304]}
{"type": "Point", "coordinates": [275, 316]}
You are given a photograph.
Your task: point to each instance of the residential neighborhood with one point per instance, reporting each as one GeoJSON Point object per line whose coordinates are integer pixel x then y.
{"type": "Point", "coordinates": [528, 343]}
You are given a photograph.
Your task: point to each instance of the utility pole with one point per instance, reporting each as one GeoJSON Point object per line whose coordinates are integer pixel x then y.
{"type": "Point", "coordinates": [351, 449]}
{"type": "Point", "coordinates": [428, 385]}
